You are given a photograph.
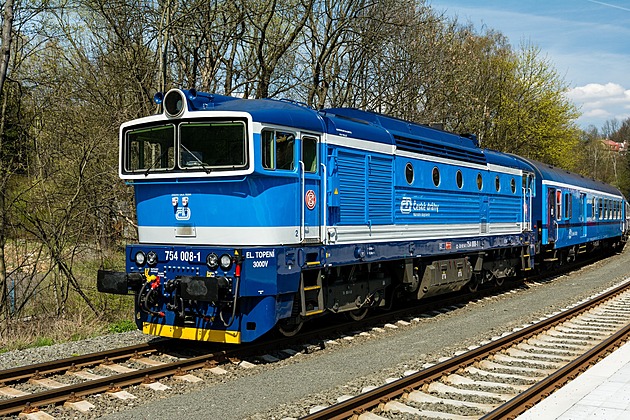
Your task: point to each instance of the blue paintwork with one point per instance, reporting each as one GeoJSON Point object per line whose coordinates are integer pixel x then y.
{"type": "Point", "coordinates": [364, 188]}
{"type": "Point", "coordinates": [581, 227]}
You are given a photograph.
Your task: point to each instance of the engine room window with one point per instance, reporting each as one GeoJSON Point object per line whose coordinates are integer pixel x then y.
{"type": "Point", "coordinates": [150, 149]}
{"type": "Point", "coordinates": [497, 183]}
{"type": "Point", "coordinates": [459, 179]}
{"type": "Point", "coordinates": [436, 176]}
{"type": "Point", "coordinates": [479, 182]}
{"type": "Point", "coordinates": [409, 173]}
{"type": "Point", "coordinates": [309, 154]}
{"type": "Point", "coordinates": [278, 150]}
{"type": "Point", "coordinates": [216, 145]}
{"type": "Point", "coordinates": [513, 186]}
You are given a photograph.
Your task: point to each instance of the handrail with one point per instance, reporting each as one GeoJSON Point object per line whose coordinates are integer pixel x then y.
{"type": "Point", "coordinates": [302, 211]}
{"type": "Point", "coordinates": [323, 235]}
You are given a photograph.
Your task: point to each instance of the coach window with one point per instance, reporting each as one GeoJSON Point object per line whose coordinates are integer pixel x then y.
{"type": "Point", "coordinates": [460, 179]}
{"type": "Point", "coordinates": [600, 207]}
{"type": "Point", "coordinates": [558, 205]}
{"type": "Point", "coordinates": [594, 215]}
{"type": "Point", "coordinates": [409, 173]}
{"type": "Point", "coordinates": [309, 154]}
{"type": "Point", "coordinates": [497, 183]}
{"type": "Point", "coordinates": [278, 150]}
{"type": "Point", "coordinates": [436, 176]}
{"type": "Point", "coordinates": [479, 182]}
{"type": "Point", "coordinates": [568, 210]}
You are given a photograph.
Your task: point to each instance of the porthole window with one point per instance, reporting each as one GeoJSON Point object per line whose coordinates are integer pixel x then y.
{"type": "Point", "coordinates": [479, 182]}
{"type": "Point", "coordinates": [436, 176]}
{"type": "Point", "coordinates": [513, 186]}
{"type": "Point", "coordinates": [460, 179]}
{"type": "Point", "coordinates": [409, 173]}
{"type": "Point", "coordinates": [497, 183]}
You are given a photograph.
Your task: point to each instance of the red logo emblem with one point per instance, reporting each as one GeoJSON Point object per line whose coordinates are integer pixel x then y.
{"type": "Point", "coordinates": [310, 199]}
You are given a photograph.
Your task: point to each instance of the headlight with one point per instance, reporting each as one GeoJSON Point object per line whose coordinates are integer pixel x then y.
{"type": "Point", "coordinates": [212, 261]}
{"type": "Point", "coordinates": [226, 262]}
{"type": "Point", "coordinates": [152, 258]}
{"type": "Point", "coordinates": [140, 258]}
{"type": "Point", "coordinates": [174, 103]}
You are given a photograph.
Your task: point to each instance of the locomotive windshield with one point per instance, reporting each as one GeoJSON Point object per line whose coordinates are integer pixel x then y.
{"type": "Point", "coordinates": [150, 149]}
{"type": "Point", "coordinates": [212, 145]}
{"type": "Point", "coordinates": [198, 146]}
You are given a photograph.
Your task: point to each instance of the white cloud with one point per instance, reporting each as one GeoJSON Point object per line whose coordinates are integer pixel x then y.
{"type": "Point", "coordinates": [600, 102]}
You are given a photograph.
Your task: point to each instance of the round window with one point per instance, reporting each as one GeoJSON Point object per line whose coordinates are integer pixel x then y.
{"type": "Point", "coordinates": [436, 176]}
{"type": "Point", "coordinates": [479, 182]}
{"type": "Point", "coordinates": [513, 185]}
{"type": "Point", "coordinates": [460, 179]}
{"type": "Point", "coordinates": [497, 184]}
{"type": "Point", "coordinates": [409, 173]}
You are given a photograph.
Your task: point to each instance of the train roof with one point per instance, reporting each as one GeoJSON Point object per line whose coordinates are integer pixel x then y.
{"type": "Point", "coordinates": [505, 159]}
{"type": "Point", "coordinates": [546, 172]}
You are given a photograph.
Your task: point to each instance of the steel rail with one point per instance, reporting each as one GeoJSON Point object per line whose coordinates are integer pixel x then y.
{"type": "Point", "coordinates": [53, 396]}
{"type": "Point", "coordinates": [17, 404]}
{"type": "Point", "coordinates": [542, 389]}
{"type": "Point", "coordinates": [369, 400]}
{"type": "Point", "coordinates": [62, 365]}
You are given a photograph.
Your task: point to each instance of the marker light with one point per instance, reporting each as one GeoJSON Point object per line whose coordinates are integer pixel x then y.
{"type": "Point", "coordinates": [152, 258]}
{"type": "Point", "coordinates": [226, 262]}
{"type": "Point", "coordinates": [212, 261]}
{"type": "Point", "coordinates": [158, 98]}
{"type": "Point", "coordinates": [140, 258]}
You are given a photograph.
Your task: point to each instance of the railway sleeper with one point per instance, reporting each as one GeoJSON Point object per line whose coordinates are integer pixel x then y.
{"type": "Point", "coordinates": [548, 349]}
{"type": "Point", "coordinates": [396, 406]}
{"type": "Point", "coordinates": [456, 379]}
{"type": "Point", "coordinates": [559, 343]}
{"type": "Point", "coordinates": [440, 388]}
{"type": "Point", "coordinates": [476, 371]}
{"type": "Point", "coordinates": [543, 356]}
{"type": "Point", "coordinates": [488, 364]}
{"type": "Point", "coordinates": [513, 360]}
{"type": "Point", "coordinates": [420, 397]}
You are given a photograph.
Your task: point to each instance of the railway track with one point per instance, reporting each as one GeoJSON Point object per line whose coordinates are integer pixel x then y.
{"type": "Point", "coordinates": [151, 362]}
{"type": "Point", "coordinates": [502, 378]}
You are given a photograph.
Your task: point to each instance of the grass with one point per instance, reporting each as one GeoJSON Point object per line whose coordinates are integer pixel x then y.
{"type": "Point", "coordinates": [121, 326]}
{"type": "Point", "coordinates": [38, 323]}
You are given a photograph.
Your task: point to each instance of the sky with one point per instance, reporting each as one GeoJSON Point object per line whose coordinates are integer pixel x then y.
{"type": "Point", "coordinates": [586, 41]}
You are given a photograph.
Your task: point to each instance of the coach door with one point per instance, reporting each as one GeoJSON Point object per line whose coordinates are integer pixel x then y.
{"type": "Point", "coordinates": [312, 205]}
{"type": "Point", "coordinates": [552, 209]}
{"type": "Point", "coordinates": [528, 182]}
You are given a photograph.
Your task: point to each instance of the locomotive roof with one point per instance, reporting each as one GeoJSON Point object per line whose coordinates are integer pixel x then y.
{"type": "Point", "coordinates": [548, 172]}
{"type": "Point", "coordinates": [348, 122]}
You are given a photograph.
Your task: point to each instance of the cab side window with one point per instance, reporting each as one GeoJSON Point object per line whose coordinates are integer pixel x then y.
{"type": "Point", "coordinates": [278, 150]}
{"type": "Point", "coordinates": [309, 154]}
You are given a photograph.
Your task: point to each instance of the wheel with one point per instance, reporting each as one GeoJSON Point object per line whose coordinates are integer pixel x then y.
{"type": "Point", "coordinates": [357, 314]}
{"type": "Point", "coordinates": [473, 286]}
{"type": "Point", "coordinates": [289, 328]}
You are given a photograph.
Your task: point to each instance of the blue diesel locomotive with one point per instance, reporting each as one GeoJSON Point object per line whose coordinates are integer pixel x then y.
{"type": "Point", "coordinates": [256, 215]}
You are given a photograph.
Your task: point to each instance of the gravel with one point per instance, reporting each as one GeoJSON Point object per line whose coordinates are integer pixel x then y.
{"type": "Point", "coordinates": [293, 385]}
{"type": "Point", "coordinates": [75, 348]}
